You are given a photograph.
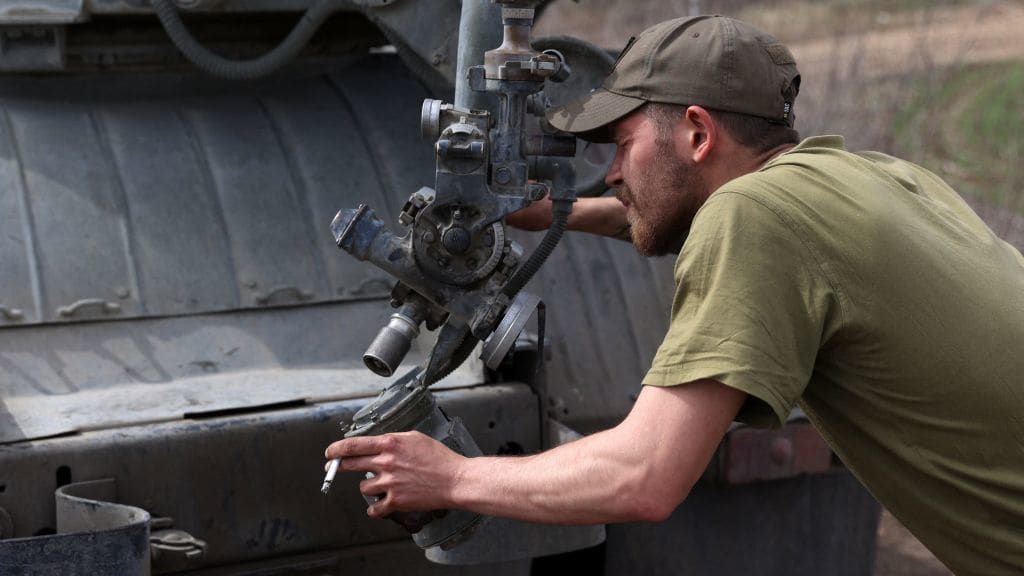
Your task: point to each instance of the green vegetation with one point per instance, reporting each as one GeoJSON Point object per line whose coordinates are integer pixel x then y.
{"type": "Point", "coordinates": [969, 127]}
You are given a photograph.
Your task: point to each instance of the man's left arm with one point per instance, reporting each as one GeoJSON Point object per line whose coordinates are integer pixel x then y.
{"type": "Point", "coordinates": [639, 470]}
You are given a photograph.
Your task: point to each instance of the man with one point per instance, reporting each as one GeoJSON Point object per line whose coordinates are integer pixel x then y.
{"type": "Point", "coordinates": [858, 285]}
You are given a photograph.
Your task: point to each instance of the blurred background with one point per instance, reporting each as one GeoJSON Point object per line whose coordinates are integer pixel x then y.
{"type": "Point", "coordinates": [937, 82]}
{"type": "Point", "coordinates": [940, 83]}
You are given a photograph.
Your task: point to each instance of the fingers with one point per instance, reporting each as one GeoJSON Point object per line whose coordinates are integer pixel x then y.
{"type": "Point", "coordinates": [382, 508]}
{"type": "Point", "coordinates": [358, 446]}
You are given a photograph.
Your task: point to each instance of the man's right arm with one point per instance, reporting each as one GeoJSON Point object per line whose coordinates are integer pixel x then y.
{"type": "Point", "coordinates": [605, 216]}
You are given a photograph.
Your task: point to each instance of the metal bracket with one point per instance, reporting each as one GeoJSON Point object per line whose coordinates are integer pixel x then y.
{"type": "Point", "coordinates": [504, 337]}
{"type": "Point", "coordinates": [173, 549]}
{"type": "Point", "coordinates": [32, 48]}
{"type": "Point", "coordinates": [88, 521]}
{"type": "Point", "coordinates": [26, 12]}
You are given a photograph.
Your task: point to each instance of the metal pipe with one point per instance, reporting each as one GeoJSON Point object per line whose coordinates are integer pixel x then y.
{"type": "Point", "coordinates": [479, 30]}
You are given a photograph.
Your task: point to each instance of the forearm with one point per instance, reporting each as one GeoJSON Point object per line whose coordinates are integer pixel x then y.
{"type": "Point", "coordinates": [595, 480]}
{"type": "Point", "coordinates": [605, 216]}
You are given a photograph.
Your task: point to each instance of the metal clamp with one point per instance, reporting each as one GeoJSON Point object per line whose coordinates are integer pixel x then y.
{"type": "Point", "coordinates": [104, 306]}
{"type": "Point", "coordinates": [172, 549]}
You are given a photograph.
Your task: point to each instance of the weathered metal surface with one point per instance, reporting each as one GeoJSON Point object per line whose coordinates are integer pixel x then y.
{"type": "Point", "coordinates": [110, 374]}
{"type": "Point", "coordinates": [42, 11]}
{"type": "Point", "coordinates": [246, 484]}
{"type": "Point", "coordinates": [804, 526]}
{"type": "Point", "coordinates": [393, 557]}
{"type": "Point", "coordinates": [507, 540]}
{"type": "Point", "coordinates": [95, 537]}
{"type": "Point", "coordinates": [32, 48]}
{"type": "Point", "coordinates": [222, 211]}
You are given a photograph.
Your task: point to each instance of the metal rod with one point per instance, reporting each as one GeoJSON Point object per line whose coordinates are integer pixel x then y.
{"type": "Point", "coordinates": [479, 30]}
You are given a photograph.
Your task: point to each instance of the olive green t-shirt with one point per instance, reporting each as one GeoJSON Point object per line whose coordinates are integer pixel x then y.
{"type": "Point", "coordinates": [864, 288]}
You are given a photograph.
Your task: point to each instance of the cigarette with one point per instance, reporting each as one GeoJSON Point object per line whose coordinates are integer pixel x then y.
{"type": "Point", "coordinates": [331, 471]}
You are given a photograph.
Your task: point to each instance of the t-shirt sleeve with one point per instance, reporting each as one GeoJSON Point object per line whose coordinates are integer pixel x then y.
{"type": "Point", "coordinates": [749, 310]}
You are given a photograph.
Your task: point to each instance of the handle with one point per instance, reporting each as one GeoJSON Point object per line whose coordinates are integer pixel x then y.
{"type": "Point", "coordinates": [103, 305]}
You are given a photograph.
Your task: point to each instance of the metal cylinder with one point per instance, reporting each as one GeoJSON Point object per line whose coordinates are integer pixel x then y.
{"type": "Point", "coordinates": [391, 344]}
{"type": "Point", "coordinates": [479, 30]}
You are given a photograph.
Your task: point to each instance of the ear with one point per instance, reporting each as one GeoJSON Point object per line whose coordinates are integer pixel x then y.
{"type": "Point", "coordinates": [696, 135]}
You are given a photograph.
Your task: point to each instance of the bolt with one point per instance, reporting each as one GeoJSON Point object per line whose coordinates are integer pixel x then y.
{"type": "Point", "coordinates": [503, 175]}
{"type": "Point", "coordinates": [457, 214]}
{"type": "Point", "coordinates": [436, 59]}
{"type": "Point", "coordinates": [122, 293]}
{"type": "Point", "coordinates": [250, 284]}
{"type": "Point", "coordinates": [537, 192]}
{"type": "Point", "coordinates": [443, 262]}
{"type": "Point", "coordinates": [781, 451]}
{"type": "Point", "coordinates": [471, 263]}
{"type": "Point", "coordinates": [429, 237]}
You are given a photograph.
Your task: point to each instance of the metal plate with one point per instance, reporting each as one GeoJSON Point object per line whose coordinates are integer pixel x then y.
{"type": "Point", "coordinates": [165, 195]}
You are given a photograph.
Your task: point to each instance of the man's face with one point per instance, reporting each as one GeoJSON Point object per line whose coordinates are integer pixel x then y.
{"type": "Point", "coordinates": [661, 191]}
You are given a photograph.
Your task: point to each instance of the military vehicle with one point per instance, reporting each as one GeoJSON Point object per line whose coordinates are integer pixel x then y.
{"type": "Point", "coordinates": [180, 335]}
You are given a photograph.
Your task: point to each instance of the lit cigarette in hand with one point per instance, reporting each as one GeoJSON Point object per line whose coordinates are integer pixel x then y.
{"type": "Point", "coordinates": [332, 469]}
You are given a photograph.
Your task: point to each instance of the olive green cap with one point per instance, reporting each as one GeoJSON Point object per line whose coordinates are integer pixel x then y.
{"type": "Point", "coordinates": [712, 61]}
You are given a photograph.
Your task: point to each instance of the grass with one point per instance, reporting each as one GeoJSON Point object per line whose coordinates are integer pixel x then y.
{"type": "Point", "coordinates": [970, 129]}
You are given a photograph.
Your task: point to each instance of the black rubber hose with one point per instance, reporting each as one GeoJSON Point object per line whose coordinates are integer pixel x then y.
{"type": "Point", "coordinates": [216, 65]}
{"type": "Point", "coordinates": [560, 210]}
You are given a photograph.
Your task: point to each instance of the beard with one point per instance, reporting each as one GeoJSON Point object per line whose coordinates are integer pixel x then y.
{"type": "Point", "coordinates": [669, 196]}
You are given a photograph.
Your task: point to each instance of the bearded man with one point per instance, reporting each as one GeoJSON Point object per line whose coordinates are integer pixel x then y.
{"type": "Point", "coordinates": [855, 284]}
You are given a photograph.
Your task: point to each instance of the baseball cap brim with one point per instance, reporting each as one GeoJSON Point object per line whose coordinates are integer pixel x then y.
{"type": "Point", "coordinates": [589, 117]}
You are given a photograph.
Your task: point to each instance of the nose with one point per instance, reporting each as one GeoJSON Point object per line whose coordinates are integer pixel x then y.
{"type": "Point", "coordinates": [613, 179]}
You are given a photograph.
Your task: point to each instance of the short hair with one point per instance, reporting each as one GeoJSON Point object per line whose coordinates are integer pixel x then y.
{"type": "Point", "coordinates": [753, 132]}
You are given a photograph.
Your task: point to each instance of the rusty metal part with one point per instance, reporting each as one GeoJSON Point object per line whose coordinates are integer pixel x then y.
{"type": "Point", "coordinates": [757, 455]}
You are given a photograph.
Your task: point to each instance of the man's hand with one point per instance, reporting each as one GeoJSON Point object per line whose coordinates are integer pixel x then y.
{"type": "Point", "coordinates": [412, 472]}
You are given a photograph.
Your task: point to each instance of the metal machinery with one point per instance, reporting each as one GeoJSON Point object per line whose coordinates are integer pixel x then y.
{"type": "Point", "coordinates": [179, 335]}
